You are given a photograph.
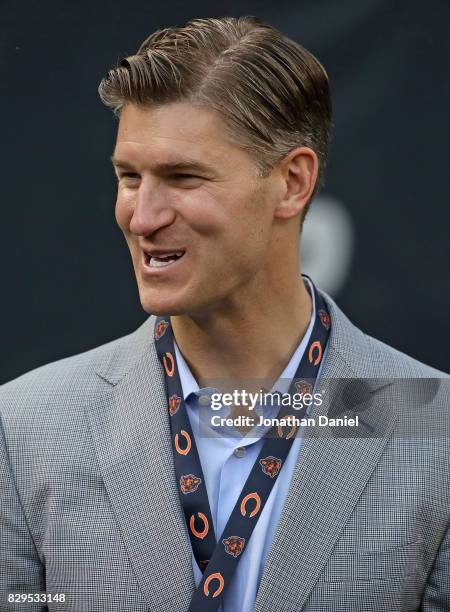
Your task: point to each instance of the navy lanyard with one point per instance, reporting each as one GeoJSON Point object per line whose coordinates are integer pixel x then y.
{"type": "Point", "coordinates": [218, 560]}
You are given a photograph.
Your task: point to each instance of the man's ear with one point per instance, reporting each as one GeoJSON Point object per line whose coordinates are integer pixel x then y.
{"type": "Point", "coordinates": [299, 169]}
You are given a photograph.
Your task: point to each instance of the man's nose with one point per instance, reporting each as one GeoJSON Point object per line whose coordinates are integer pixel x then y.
{"type": "Point", "coordinates": [152, 209]}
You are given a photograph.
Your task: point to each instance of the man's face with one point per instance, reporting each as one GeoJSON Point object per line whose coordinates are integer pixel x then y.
{"type": "Point", "coordinates": [183, 187]}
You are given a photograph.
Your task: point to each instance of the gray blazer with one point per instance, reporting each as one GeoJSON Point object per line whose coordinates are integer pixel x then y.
{"type": "Point", "coordinates": [89, 506]}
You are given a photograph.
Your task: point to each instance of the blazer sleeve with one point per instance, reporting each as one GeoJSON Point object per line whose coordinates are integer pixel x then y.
{"type": "Point", "coordinates": [436, 595]}
{"type": "Point", "coordinates": [21, 570]}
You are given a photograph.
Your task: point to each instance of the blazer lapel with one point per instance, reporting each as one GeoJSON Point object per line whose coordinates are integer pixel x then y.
{"type": "Point", "coordinates": [131, 434]}
{"type": "Point", "coordinates": [331, 471]}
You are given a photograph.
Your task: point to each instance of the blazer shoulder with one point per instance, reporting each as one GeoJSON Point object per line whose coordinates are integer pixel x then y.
{"type": "Point", "coordinates": [397, 364]}
{"type": "Point", "coordinates": [72, 380]}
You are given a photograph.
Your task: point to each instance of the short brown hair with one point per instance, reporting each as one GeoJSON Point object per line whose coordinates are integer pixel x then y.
{"type": "Point", "coordinates": [272, 93]}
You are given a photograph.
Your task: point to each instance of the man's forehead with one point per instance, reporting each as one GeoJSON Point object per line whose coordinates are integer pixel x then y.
{"type": "Point", "coordinates": [178, 121]}
{"type": "Point", "coordinates": [171, 134]}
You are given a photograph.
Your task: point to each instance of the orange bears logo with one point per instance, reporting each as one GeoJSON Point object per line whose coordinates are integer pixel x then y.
{"type": "Point", "coordinates": [270, 465]}
{"type": "Point", "coordinates": [303, 387]}
{"type": "Point", "coordinates": [234, 545]}
{"type": "Point", "coordinates": [174, 404]}
{"type": "Point", "coordinates": [325, 318]}
{"type": "Point", "coordinates": [280, 428]}
{"type": "Point", "coordinates": [189, 483]}
{"type": "Point", "coordinates": [160, 329]}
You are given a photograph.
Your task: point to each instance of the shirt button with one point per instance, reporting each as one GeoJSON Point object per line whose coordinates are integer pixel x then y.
{"type": "Point", "coordinates": [204, 400]}
{"type": "Point", "coordinates": [240, 452]}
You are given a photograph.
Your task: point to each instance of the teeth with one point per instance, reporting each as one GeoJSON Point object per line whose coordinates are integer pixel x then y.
{"type": "Point", "coordinates": [178, 253]}
{"type": "Point", "coordinates": [155, 263]}
{"type": "Point", "coordinates": [163, 260]}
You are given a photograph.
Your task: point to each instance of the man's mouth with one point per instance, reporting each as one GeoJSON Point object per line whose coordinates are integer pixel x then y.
{"type": "Point", "coordinates": [163, 259]}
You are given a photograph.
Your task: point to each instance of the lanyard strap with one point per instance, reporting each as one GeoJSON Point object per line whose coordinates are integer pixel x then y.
{"type": "Point", "coordinates": [218, 560]}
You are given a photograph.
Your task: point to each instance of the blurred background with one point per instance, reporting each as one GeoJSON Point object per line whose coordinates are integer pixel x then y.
{"type": "Point", "coordinates": [376, 238]}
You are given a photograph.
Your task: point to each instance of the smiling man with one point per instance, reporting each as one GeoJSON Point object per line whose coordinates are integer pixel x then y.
{"type": "Point", "coordinates": [212, 242]}
{"type": "Point", "coordinates": [118, 491]}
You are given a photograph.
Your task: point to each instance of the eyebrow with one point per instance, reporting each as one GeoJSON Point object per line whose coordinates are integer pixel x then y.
{"type": "Point", "coordinates": [167, 167]}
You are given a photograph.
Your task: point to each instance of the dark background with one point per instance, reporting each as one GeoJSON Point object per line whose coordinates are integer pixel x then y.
{"type": "Point", "coordinates": [68, 283]}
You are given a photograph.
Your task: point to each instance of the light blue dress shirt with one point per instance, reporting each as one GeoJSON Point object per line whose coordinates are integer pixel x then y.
{"type": "Point", "coordinates": [225, 473]}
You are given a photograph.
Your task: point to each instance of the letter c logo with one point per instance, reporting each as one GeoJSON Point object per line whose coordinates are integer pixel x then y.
{"type": "Point", "coordinates": [257, 499]}
{"type": "Point", "coordinates": [216, 576]}
{"type": "Point", "coordinates": [169, 369]}
{"type": "Point", "coordinates": [183, 451]}
{"type": "Point", "coordinates": [318, 346]}
{"type": "Point", "coordinates": [199, 534]}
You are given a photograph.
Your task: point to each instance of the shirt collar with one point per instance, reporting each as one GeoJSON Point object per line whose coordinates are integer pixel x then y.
{"type": "Point", "coordinates": [188, 382]}
{"type": "Point", "coordinates": [190, 385]}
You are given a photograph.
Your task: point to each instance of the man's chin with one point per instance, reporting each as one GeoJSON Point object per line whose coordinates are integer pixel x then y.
{"type": "Point", "coordinates": [162, 307]}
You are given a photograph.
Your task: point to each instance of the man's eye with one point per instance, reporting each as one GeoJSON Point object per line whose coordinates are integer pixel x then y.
{"type": "Point", "coordinates": [129, 175]}
{"type": "Point", "coordinates": [191, 180]}
{"type": "Point", "coordinates": [185, 176]}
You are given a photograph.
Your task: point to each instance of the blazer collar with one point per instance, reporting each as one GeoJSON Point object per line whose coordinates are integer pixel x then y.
{"type": "Point", "coordinates": [347, 345]}
{"type": "Point", "coordinates": [131, 433]}
{"type": "Point", "coordinates": [332, 469]}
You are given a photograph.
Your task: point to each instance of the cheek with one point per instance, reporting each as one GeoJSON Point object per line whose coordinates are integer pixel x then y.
{"type": "Point", "coordinates": [203, 213]}
{"type": "Point", "coordinates": [123, 211]}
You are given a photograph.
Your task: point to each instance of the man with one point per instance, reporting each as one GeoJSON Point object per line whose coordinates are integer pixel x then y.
{"type": "Point", "coordinates": [117, 490]}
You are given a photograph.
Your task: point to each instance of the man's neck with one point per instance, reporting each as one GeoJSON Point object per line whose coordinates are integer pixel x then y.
{"type": "Point", "coordinates": [252, 343]}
